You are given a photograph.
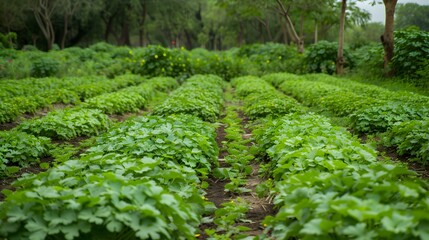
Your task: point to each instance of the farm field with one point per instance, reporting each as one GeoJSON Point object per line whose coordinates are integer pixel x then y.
{"type": "Point", "coordinates": [205, 158]}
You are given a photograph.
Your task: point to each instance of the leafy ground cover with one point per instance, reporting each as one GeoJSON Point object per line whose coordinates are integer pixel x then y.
{"type": "Point", "coordinates": [261, 99]}
{"type": "Point", "coordinates": [144, 183]}
{"type": "Point", "coordinates": [141, 179]}
{"type": "Point", "coordinates": [200, 94]}
{"type": "Point", "coordinates": [30, 95]}
{"type": "Point", "coordinates": [67, 123]}
{"type": "Point", "coordinates": [327, 185]}
{"type": "Point", "coordinates": [18, 149]}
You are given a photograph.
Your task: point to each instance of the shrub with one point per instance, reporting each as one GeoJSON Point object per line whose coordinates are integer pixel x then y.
{"type": "Point", "coordinates": [44, 67]}
{"type": "Point", "coordinates": [411, 52]}
{"type": "Point", "coordinates": [322, 56]}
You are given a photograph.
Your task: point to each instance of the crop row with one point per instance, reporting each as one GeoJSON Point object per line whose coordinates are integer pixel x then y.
{"type": "Point", "coordinates": [371, 90]}
{"type": "Point", "coordinates": [261, 99]}
{"type": "Point", "coordinates": [20, 148]}
{"type": "Point", "coordinates": [200, 95]}
{"type": "Point", "coordinates": [72, 93]}
{"type": "Point", "coordinates": [341, 101]}
{"type": "Point", "coordinates": [328, 185]}
{"type": "Point", "coordinates": [142, 179]}
{"type": "Point", "coordinates": [402, 117]}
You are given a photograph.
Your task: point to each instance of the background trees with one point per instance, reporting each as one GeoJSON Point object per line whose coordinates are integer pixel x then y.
{"type": "Point", "coordinates": [214, 24]}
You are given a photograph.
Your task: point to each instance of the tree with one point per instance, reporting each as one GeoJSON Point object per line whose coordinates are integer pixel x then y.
{"type": "Point", "coordinates": [387, 37]}
{"type": "Point", "coordinates": [290, 27]}
{"type": "Point", "coordinates": [43, 11]}
{"type": "Point", "coordinates": [69, 8]}
{"type": "Point", "coordinates": [412, 14]}
{"type": "Point", "coordinates": [340, 57]}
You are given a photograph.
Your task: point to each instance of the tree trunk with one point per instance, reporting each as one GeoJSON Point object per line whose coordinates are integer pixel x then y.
{"type": "Point", "coordinates": [240, 34]}
{"type": "Point", "coordinates": [298, 41]}
{"type": "Point", "coordinates": [66, 23]}
{"type": "Point", "coordinates": [387, 37]}
{"type": "Point", "coordinates": [267, 26]}
{"type": "Point", "coordinates": [315, 33]}
{"type": "Point", "coordinates": [340, 56]}
{"type": "Point", "coordinates": [284, 31]}
{"type": "Point", "coordinates": [141, 24]}
{"type": "Point", "coordinates": [42, 13]}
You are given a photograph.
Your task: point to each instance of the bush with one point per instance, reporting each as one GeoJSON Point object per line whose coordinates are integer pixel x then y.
{"type": "Point", "coordinates": [44, 67]}
{"type": "Point", "coordinates": [272, 57]}
{"type": "Point", "coordinates": [322, 56]}
{"type": "Point", "coordinates": [155, 61]}
{"type": "Point", "coordinates": [411, 52]}
{"type": "Point", "coordinates": [370, 60]}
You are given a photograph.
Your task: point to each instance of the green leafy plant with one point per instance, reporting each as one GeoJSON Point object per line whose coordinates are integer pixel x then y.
{"type": "Point", "coordinates": [227, 219]}
{"type": "Point", "coordinates": [44, 67]}
{"type": "Point", "coordinates": [322, 56]}
{"type": "Point", "coordinates": [200, 95]}
{"type": "Point", "coordinates": [328, 185]}
{"type": "Point", "coordinates": [411, 51]}
{"type": "Point", "coordinates": [410, 137]}
{"type": "Point", "coordinates": [67, 123]}
{"type": "Point", "coordinates": [21, 149]}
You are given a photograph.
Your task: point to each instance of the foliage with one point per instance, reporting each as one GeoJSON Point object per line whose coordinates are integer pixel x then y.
{"type": "Point", "coordinates": [412, 14]}
{"type": "Point", "coordinates": [369, 119]}
{"type": "Point", "coordinates": [410, 137]}
{"type": "Point", "coordinates": [262, 100]}
{"type": "Point", "coordinates": [328, 185]}
{"type": "Point", "coordinates": [411, 51]}
{"type": "Point", "coordinates": [223, 64]}
{"type": "Point", "coordinates": [363, 103]}
{"type": "Point", "coordinates": [158, 61]}
{"type": "Point", "coordinates": [118, 102]}
{"type": "Point", "coordinates": [44, 67]}
{"type": "Point", "coordinates": [272, 57]}
{"type": "Point", "coordinates": [8, 40]}
{"type": "Point", "coordinates": [369, 60]}
{"type": "Point", "coordinates": [21, 149]}
{"type": "Point", "coordinates": [322, 56]}
{"type": "Point", "coordinates": [67, 124]}
{"type": "Point", "coordinates": [200, 95]}
{"type": "Point", "coordinates": [139, 180]}
{"type": "Point", "coordinates": [185, 139]}
{"type": "Point", "coordinates": [227, 218]}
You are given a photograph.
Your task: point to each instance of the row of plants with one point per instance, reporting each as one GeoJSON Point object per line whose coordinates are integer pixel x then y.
{"type": "Point", "coordinates": [328, 185]}
{"type": "Point", "coordinates": [370, 90]}
{"type": "Point", "coordinates": [410, 138]}
{"type": "Point", "coordinates": [130, 99]}
{"type": "Point", "coordinates": [201, 95]}
{"type": "Point", "coordinates": [402, 116]}
{"type": "Point", "coordinates": [261, 99]}
{"type": "Point", "coordinates": [71, 93]}
{"type": "Point", "coordinates": [140, 180]}
{"type": "Point", "coordinates": [364, 111]}
{"type": "Point", "coordinates": [238, 154]}
{"type": "Point", "coordinates": [143, 179]}
{"type": "Point", "coordinates": [19, 149]}
{"type": "Point", "coordinates": [20, 146]}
